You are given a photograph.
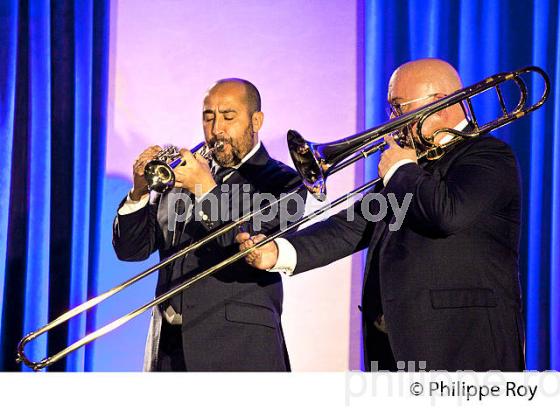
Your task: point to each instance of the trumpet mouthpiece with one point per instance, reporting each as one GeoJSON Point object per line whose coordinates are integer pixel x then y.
{"type": "Point", "coordinates": [218, 146]}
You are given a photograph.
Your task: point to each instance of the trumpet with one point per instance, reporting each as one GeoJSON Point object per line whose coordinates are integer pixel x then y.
{"type": "Point", "coordinates": [159, 171]}
{"type": "Point", "coordinates": [315, 162]}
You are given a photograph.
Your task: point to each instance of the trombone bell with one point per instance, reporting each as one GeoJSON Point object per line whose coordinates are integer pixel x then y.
{"type": "Point", "coordinates": [309, 164]}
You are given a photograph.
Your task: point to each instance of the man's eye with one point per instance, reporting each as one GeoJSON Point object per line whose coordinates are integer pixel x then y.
{"type": "Point", "coordinates": [229, 117]}
{"type": "Point", "coordinates": [208, 119]}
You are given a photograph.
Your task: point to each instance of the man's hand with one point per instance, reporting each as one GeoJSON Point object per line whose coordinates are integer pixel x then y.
{"type": "Point", "coordinates": [140, 186]}
{"type": "Point", "coordinates": [262, 258]}
{"type": "Point", "coordinates": [194, 175]}
{"type": "Point", "coordinates": [393, 154]}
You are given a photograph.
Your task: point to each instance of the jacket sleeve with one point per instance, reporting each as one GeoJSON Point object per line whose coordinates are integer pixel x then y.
{"type": "Point", "coordinates": [334, 238]}
{"type": "Point", "coordinates": [483, 179]}
{"type": "Point", "coordinates": [214, 212]}
{"type": "Point", "coordinates": [136, 235]}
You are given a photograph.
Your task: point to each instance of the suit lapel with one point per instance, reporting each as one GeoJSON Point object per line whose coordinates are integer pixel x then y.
{"type": "Point", "coordinates": [250, 169]}
{"type": "Point", "coordinates": [378, 230]}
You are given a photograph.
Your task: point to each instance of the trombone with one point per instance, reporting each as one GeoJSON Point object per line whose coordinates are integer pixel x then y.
{"type": "Point", "coordinates": [315, 162]}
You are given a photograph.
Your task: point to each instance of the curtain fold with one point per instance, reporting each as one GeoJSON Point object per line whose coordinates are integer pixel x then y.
{"type": "Point", "coordinates": [38, 161]}
{"type": "Point", "coordinates": [53, 88]}
{"type": "Point", "coordinates": [8, 52]}
{"type": "Point", "coordinates": [481, 38]}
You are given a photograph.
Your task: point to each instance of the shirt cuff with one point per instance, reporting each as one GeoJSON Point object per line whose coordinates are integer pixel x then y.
{"type": "Point", "coordinates": [130, 206]}
{"type": "Point", "coordinates": [394, 168]}
{"type": "Point", "coordinates": [287, 257]}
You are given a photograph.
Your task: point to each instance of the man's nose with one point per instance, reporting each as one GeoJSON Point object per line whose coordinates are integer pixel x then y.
{"type": "Point", "coordinates": [217, 128]}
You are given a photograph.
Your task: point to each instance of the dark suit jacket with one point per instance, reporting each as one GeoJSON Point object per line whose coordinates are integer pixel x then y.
{"type": "Point", "coordinates": [447, 281]}
{"type": "Point", "coordinates": [231, 321]}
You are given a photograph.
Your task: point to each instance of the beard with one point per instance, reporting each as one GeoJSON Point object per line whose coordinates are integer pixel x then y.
{"type": "Point", "coordinates": [233, 151]}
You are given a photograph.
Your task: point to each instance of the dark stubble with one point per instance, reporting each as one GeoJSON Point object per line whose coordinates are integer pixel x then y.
{"type": "Point", "coordinates": [239, 148]}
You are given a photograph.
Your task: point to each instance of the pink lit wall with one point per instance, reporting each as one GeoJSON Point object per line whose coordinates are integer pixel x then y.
{"type": "Point", "coordinates": [302, 57]}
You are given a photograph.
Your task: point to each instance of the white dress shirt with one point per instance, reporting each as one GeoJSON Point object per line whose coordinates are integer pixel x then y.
{"type": "Point", "coordinates": [287, 254]}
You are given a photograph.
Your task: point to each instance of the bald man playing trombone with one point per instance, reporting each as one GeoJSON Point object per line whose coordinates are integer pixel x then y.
{"type": "Point", "coordinates": [442, 292]}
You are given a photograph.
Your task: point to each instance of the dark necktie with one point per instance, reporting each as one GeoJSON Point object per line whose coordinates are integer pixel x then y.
{"type": "Point", "coordinates": [220, 173]}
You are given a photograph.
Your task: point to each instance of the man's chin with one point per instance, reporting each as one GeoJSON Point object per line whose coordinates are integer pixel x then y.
{"type": "Point", "coordinates": [225, 160]}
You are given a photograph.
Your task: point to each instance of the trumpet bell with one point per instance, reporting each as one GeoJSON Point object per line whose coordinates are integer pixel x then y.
{"type": "Point", "coordinates": [160, 176]}
{"type": "Point", "coordinates": [159, 171]}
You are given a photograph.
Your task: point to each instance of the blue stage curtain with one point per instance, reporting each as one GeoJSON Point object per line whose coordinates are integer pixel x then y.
{"type": "Point", "coordinates": [53, 93]}
{"type": "Point", "coordinates": [481, 38]}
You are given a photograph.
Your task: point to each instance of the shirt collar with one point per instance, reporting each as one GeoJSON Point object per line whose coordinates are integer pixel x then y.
{"type": "Point", "coordinates": [249, 155]}
{"type": "Point", "coordinates": [246, 158]}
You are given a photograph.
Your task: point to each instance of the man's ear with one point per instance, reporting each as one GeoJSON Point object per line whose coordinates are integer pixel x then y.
{"type": "Point", "coordinates": [257, 120]}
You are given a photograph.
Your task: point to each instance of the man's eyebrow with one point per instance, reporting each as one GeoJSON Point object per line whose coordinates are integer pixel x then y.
{"type": "Point", "coordinates": [226, 111]}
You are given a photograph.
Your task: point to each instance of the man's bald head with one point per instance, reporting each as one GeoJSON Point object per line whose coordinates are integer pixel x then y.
{"type": "Point", "coordinates": [426, 80]}
{"type": "Point", "coordinates": [427, 76]}
{"type": "Point", "coordinates": [251, 95]}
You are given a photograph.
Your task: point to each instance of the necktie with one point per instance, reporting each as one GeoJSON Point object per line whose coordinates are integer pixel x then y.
{"type": "Point", "coordinates": [220, 173]}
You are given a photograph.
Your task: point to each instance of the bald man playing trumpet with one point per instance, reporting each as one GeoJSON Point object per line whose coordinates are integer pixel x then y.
{"type": "Point", "coordinates": [442, 292]}
{"type": "Point", "coordinates": [232, 320]}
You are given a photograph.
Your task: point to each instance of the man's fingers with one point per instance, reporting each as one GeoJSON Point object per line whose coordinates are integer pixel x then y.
{"type": "Point", "coordinates": [246, 245]}
{"type": "Point", "coordinates": [242, 237]}
{"type": "Point", "coordinates": [139, 167]}
{"type": "Point", "coordinates": [389, 139]}
{"type": "Point", "coordinates": [258, 238]}
{"type": "Point", "coordinates": [186, 154]}
{"type": "Point", "coordinates": [148, 154]}
{"type": "Point", "coordinates": [253, 258]}
{"type": "Point", "coordinates": [201, 159]}
{"type": "Point", "coordinates": [247, 241]}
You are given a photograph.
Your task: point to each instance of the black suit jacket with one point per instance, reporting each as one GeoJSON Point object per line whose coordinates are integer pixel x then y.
{"type": "Point", "coordinates": [231, 321]}
{"type": "Point", "coordinates": [447, 280]}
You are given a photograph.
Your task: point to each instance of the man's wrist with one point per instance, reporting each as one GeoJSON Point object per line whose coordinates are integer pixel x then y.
{"type": "Point", "coordinates": [200, 190]}
{"type": "Point", "coordinates": [286, 257]}
{"type": "Point", "coordinates": [137, 194]}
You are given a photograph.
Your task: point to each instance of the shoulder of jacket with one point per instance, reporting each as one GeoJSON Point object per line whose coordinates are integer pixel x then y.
{"type": "Point", "coordinates": [277, 176]}
{"type": "Point", "coordinates": [487, 144]}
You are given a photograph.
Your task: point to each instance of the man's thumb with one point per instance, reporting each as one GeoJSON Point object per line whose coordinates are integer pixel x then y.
{"type": "Point", "coordinates": [389, 139]}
